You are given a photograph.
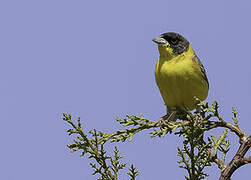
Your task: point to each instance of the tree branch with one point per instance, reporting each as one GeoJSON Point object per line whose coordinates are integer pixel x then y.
{"type": "Point", "coordinates": [215, 159]}
{"type": "Point", "coordinates": [227, 170]}
{"type": "Point", "coordinates": [238, 160]}
{"type": "Point", "coordinates": [200, 121]}
{"type": "Point", "coordinates": [246, 160]}
{"type": "Point", "coordinates": [214, 124]}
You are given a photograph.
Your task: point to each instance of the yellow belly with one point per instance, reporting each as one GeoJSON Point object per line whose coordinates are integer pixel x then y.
{"type": "Point", "coordinates": [180, 81]}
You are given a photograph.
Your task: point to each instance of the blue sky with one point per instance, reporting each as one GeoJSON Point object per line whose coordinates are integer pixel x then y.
{"type": "Point", "coordinates": [95, 59]}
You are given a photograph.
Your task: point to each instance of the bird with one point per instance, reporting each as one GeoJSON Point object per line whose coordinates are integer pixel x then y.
{"type": "Point", "coordinates": [179, 74]}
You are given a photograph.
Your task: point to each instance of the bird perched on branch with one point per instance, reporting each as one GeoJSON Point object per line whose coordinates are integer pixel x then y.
{"type": "Point", "coordinates": [180, 75]}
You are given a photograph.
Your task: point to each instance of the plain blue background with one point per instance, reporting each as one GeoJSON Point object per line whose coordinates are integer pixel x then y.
{"type": "Point", "coordinates": [95, 59]}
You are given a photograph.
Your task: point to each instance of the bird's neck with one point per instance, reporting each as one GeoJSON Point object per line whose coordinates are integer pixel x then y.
{"type": "Point", "coordinates": [167, 54]}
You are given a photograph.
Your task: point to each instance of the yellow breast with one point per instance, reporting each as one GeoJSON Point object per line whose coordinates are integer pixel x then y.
{"type": "Point", "coordinates": [180, 80]}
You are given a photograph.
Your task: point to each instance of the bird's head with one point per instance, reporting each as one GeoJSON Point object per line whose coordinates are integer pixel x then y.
{"type": "Point", "coordinates": [171, 44]}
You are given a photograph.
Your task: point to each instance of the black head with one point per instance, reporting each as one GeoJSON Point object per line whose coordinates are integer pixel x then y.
{"type": "Point", "coordinates": [177, 42]}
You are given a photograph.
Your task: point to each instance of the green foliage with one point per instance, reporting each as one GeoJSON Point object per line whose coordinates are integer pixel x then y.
{"type": "Point", "coordinates": [196, 154]}
{"type": "Point", "coordinates": [221, 144]}
{"type": "Point", "coordinates": [133, 172]}
{"type": "Point", "coordinates": [235, 117]}
{"type": "Point", "coordinates": [107, 167]}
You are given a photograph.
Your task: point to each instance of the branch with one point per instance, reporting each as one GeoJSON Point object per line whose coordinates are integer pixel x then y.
{"type": "Point", "coordinates": [129, 132]}
{"type": "Point", "coordinates": [215, 159]}
{"type": "Point", "coordinates": [238, 160]}
{"type": "Point", "coordinates": [189, 123]}
{"type": "Point", "coordinates": [214, 124]}
{"type": "Point", "coordinates": [246, 160]}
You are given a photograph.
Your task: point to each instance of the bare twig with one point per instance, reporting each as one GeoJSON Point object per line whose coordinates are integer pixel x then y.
{"type": "Point", "coordinates": [238, 160]}
{"type": "Point", "coordinates": [214, 124]}
{"type": "Point", "coordinates": [215, 159]}
{"type": "Point", "coordinates": [246, 160]}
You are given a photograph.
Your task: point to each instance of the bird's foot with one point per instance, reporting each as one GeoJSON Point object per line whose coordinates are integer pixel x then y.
{"type": "Point", "coordinates": [169, 117]}
{"type": "Point", "coordinates": [161, 121]}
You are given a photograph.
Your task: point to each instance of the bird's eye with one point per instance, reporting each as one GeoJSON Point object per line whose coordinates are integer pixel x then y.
{"type": "Point", "coordinates": [174, 41]}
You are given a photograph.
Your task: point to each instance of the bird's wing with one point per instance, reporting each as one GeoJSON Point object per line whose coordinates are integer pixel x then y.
{"type": "Point", "coordinates": [195, 58]}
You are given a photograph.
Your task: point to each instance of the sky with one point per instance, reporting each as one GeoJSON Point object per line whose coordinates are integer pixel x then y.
{"type": "Point", "coordinates": [96, 59]}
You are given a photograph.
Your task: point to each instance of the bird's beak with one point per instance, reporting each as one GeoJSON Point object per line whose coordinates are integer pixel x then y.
{"type": "Point", "coordinates": [160, 40]}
